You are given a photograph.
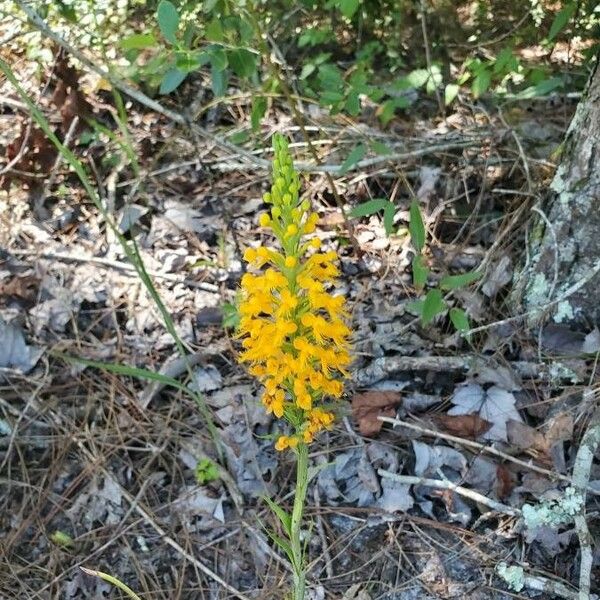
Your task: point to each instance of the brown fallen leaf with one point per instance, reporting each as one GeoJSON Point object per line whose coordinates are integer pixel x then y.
{"type": "Point", "coordinates": [525, 437]}
{"type": "Point", "coordinates": [560, 429]}
{"type": "Point", "coordinates": [466, 426]}
{"type": "Point", "coordinates": [505, 482]}
{"type": "Point", "coordinates": [367, 406]}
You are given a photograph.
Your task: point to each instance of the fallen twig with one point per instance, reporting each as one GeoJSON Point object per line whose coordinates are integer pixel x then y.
{"type": "Point", "coordinates": [542, 584]}
{"type": "Point", "coordinates": [115, 264]}
{"type": "Point", "coordinates": [448, 485]}
{"type": "Point", "coordinates": [480, 448]}
{"type": "Point", "coordinates": [380, 368]}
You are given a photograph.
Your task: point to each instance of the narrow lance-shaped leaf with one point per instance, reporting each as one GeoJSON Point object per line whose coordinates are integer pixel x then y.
{"type": "Point", "coordinates": [459, 319]}
{"type": "Point", "coordinates": [419, 271]}
{"type": "Point", "coordinates": [416, 227]}
{"type": "Point", "coordinates": [388, 218]}
{"type": "Point", "coordinates": [354, 157]}
{"type": "Point", "coordinates": [433, 305]}
{"type": "Point", "coordinates": [370, 207]}
{"type": "Point", "coordinates": [454, 282]}
{"type": "Point", "coordinates": [284, 517]}
{"type": "Point", "coordinates": [561, 19]}
{"type": "Point", "coordinates": [259, 108]}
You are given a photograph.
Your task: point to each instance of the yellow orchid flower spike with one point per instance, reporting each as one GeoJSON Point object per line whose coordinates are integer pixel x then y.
{"type": "Point", "coordinates": [294, 336]}
{"type": "Point", "coordinates": [293, 329]}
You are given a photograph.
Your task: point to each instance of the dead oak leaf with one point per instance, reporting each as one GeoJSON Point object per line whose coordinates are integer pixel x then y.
{"type": "Point", "coordinates": [495, 405]}
{"type": "Point", "coordinates": [367, 406]}
{"type": "Point", "coordinates": [464, 426]}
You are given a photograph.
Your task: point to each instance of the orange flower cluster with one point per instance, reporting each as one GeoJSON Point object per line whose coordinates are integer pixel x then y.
{"type": "Point", "coordinates": [294, 335]}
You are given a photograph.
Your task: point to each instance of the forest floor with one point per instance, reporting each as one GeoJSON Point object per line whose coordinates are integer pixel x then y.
{"type": "Point", "coordinates": [104, 469]}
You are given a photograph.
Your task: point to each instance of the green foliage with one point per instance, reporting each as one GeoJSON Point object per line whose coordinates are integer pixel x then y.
{"type": "Point", "coordinates": [231, 315]}
{"type": "Point", "coordinates": [459, 319]}
{"type": "Point", "coordinates": [454, 282]}
{"type": "Point", "coordinates": [168, 20]}
{"type": "Point", "coordinates": [434, 302]}
{"type": "Point", "coordinates": [206, 471]}
{"type": "Point", "coordinates": [419, 271]}
{"type": "Point", "coordinates": [284, 517]}
{"type": "Point", "coordinates": [416, 227]}
{"type": "Point", "coordinates": [371, 207]}
{"type": "Point", "coordinates": [354, 157]}
{"type": "Point", "coordinates": [563, 16]}
{"type": "Point", "coordinates": [432, 306]}
{"type": "Point", "coordinates": [62, 539]}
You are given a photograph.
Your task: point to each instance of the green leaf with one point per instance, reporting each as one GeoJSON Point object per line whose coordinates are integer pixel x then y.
{"type": "Point", "coordinates": [419, 272]}
{"type": "Point", "coordinates": [214, 31]}
{"type": "Point", "coordinates": [138, 41]}
{"type": "Point", "coordinates": [370, 207]}
{"type": "Point", "coordinates": [329, 97]}
{"type": "Point", "coordinates": [190, 61]}
{"type": "Point", "coordinates": [541, 89]}
{"type": "Point", "coordinates": [416, 227]}
{"type": "Point", "coordinates": [240, 137]}
{"type": "Point", "coordinates": [388, 218]}
{"type": "Point", "coordinates": [348, 7]}
{"type": "Point", "coordinates": [506, 62]}
{"type": "Point", "coordinates": [388, 108]}
{"type": "Point", "coordinates": [231, 316]}
{"type": "Point", "coordinates": [380, 148]}
{"type": "Point", "coordinates": [243, 62]}
{"type": "Point", "coordinates": [433, 305]}
{"type": "Point", "coordinates": [459, 319]}
{"type": "Point", "coordinates": [354, 157]}
{"type": "Point", "coordinates": [218, 58]}
{"type": "Point", "coordinates": [168, 20]}
{"type": "Point", "coordinates": [415, 306]}
{"type": "Point", "coordinates": [454, 282]}
{"type": "Point", "coordinates": [418, 78]}
{"type": "Point", "coordinates": [307, 70]}
{"type": "Point", "coordinates": [450, 93]}
{"type": "Point", "coordinates": [219, 80]}
{"type": "Point", "coordinates": [283, 544]}
{"type": "Point", "coordinates": [206, 471]}
{"type": "Point", "coordinates": [68, 12]}
{"type": "Point", "coordinates": [259, 108]}
{"type": "Point", "coordinates": [171, 80]}
{"type": "Point", "coordinates": [330, 78]}
{"type": "Point", "coordinates": [481, 83]}
{"type": "Point", "coordinates": [353, 103]}
{"type": "Point", "coordinates": [284, 517]}
{"type": "Point", "coordinates": [562, 17]}
{"type": "Point", "coordinates": [60, 538]}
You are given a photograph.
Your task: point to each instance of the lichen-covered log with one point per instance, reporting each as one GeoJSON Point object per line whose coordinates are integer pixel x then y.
{"type": "Point", "coordinates": [568, 252]}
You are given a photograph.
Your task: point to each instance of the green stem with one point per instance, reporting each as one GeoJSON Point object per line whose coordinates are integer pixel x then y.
{"type": "Point", "coordinates": [112, 580]}
{"type": "Point", "coordinates": [297, 514]}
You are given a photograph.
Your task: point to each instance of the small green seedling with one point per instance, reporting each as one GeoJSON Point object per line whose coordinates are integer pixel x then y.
{"type": "Point", "coordinates": [206, 471]}
{"type": "Point", "coordinates": [62, 539]}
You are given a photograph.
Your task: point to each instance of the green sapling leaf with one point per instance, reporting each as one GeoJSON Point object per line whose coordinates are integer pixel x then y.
{"type": "Point", "coordinates": [416, 226]}
{"type": "Point", "coordinates": [168, 20]}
